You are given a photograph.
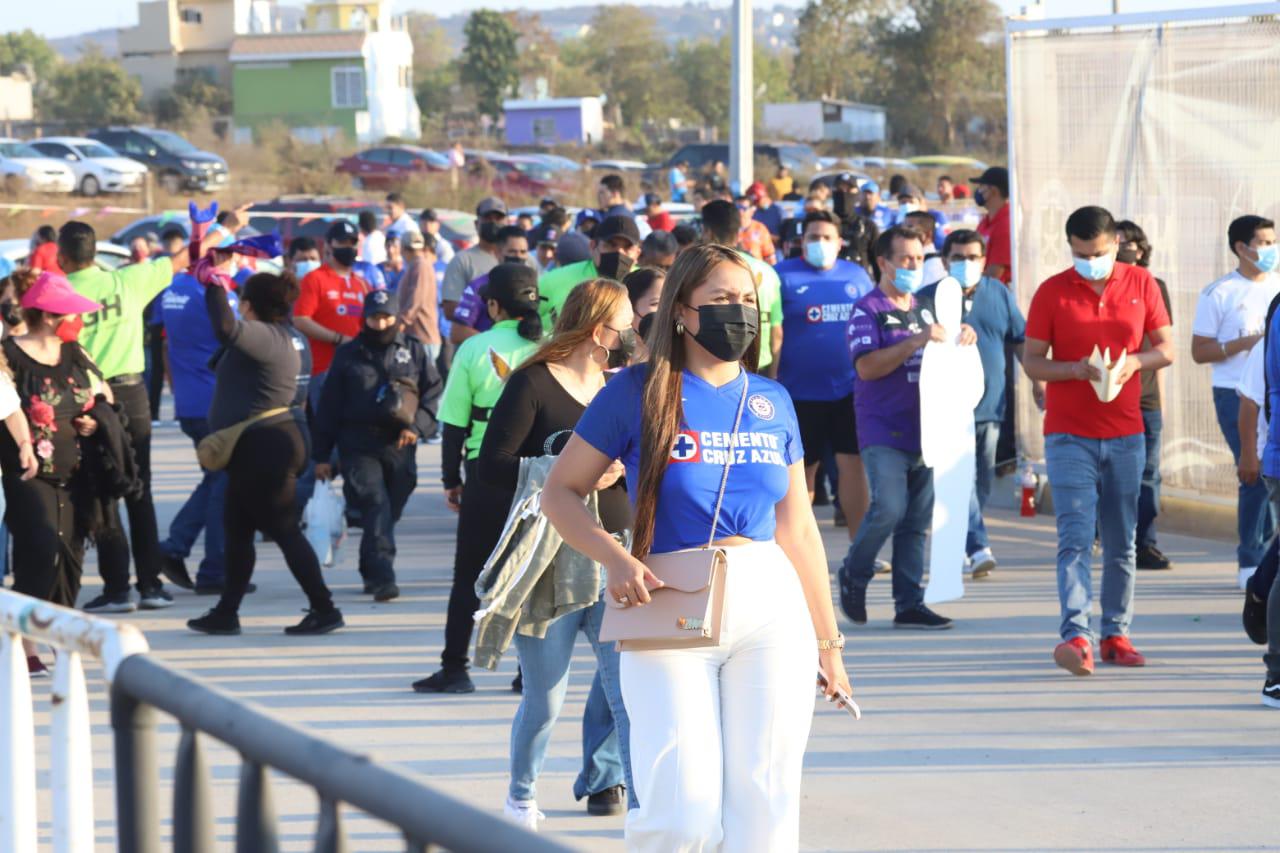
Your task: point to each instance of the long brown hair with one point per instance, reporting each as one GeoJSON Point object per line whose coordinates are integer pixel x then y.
{"type": "Point", "coordinates": [589, 305]}
{"type": "Point", "coordinates": [661, 411]}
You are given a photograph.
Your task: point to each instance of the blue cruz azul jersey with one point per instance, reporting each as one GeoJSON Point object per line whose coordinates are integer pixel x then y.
{"type": "Point", "coordinates": [766, 443]}
{"type": "Point", "coordinates": [816, 308]}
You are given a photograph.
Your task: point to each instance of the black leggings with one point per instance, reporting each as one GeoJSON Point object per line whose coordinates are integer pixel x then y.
{"type": "Point", "coordinates": [480, 520]}
{"type": "Point", "coordinates": [260, 496]}
{"type": "Point", "coordinates": [113, 544]}
{"type": "Point", "coordinates": [48, 542]}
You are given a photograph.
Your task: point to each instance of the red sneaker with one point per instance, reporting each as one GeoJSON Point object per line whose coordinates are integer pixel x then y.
{"type": "Point", "coordinates": [1119, 651]}
{"type": "Point", "coordinates": [1075, 656]}
{"type": "Point", "coordinates": [36, 667]}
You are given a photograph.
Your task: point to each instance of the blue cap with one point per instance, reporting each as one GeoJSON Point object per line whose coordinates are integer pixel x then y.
{"type": "Point", "coordinates": [586, 214]}
{"type": "Point", "coordinates": [871, 187]}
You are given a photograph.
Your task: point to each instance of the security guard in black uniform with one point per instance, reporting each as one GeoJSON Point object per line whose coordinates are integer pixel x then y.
{"type": "Point", "coordinates": [378, 402]}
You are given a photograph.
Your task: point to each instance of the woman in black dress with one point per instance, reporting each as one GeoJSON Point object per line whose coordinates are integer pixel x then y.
{"type": "Point", "coordinates": [55, 383]}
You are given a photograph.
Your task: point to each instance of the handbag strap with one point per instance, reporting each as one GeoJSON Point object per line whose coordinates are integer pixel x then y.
{"type": "Point", "coordinates": [728, 462]}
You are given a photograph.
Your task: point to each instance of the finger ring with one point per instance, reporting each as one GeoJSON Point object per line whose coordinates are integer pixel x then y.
{"type": "Point", "coordinates": [622, 599]}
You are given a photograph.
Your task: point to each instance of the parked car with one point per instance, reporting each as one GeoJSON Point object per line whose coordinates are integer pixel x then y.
{"type": "Point", "coordinates": [947, 161]}
{"type": "Point", "coordinates": [97, 168]}
{"type": "Point", "coordinates": [109, 255]}
{"type": "Point", "coordinates": [829, 178]}
{"type": "Point", "coordinates": [800, 158]}
{"type": "Point", "coordinates": [390, 166]}
{"type": "Point", "coordinates": [177, 164]}
{"type": "Point", "coordinates": [557, 163]}
{"type": "Point", "coordinates": [617, 166]}
{"type": "Point", "coordinates": [887, 164]}
{"type": "Point", "coordinates": [456, 226]}
{"type": "Point", "coordinates": [24, 167]}
{"type": "Point", "coordinates": [155, 224]}
{"type": "Point", "coordinates": [515, 174]}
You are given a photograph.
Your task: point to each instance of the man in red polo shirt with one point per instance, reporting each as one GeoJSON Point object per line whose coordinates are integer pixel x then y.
{"type": "Point", "coordinates": [992, 192]}
{"type": "Point", "coordinates": [1095, 451]}
{"type": "Point", "coordinates": [330, 307]}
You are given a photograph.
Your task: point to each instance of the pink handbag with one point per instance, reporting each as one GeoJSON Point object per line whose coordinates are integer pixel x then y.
{"type": "Point", "coordinates": [688, 611]}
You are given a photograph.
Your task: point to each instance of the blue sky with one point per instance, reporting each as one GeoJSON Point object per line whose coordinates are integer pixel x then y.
{"type": "Point", "coordinates": [67, 17]}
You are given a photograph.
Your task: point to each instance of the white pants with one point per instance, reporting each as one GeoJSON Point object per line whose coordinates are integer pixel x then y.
{"type": "Point", "coordinates": [718, 735]}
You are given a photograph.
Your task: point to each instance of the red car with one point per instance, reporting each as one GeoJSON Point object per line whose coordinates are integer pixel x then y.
{"type": "Point", "coordinates": [390, 166]}
{"type": "Point", "coordinates": [515, 175]}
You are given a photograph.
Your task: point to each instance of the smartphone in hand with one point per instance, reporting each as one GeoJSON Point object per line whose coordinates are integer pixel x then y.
{"type": "Point", "coordinates": [843, 699]}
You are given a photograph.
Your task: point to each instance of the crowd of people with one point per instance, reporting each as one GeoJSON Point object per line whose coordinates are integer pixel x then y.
{"type": "Point", "coordinates": [612, 388]}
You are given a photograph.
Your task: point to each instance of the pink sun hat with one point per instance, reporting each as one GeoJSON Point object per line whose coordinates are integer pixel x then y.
{"type": "Point", "coordinates": [54, 294]}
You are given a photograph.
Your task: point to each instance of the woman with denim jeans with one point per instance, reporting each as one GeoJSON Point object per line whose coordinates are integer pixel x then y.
{"type": "Point", "coordinates": [535, 416]}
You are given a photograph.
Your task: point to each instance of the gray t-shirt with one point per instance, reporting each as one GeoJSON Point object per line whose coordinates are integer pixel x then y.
{"type": "Point", "coordinates": [263, 366]}
{"type": "Point", "coordinates": [466, 266]}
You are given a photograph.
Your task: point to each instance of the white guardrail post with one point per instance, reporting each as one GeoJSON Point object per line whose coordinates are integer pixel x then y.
{"type": "Point", "coordinates": [72, 634]}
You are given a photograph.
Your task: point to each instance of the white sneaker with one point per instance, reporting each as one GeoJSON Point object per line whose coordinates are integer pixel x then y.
{"type": "Point", "coordinates": [523, 813]}
{"type": "Point", "coordinates": [1245, 574]}
{"type": "Point", "coordinates": [983, 562]}
{"type": "Point", "coordinates": [883, 567]}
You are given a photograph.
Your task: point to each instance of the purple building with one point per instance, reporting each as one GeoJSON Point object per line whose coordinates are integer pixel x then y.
{"type": "Point", "coordinates": [554, 121]}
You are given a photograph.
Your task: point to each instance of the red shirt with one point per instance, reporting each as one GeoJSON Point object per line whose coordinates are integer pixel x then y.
{"type": "Point", "coordinates": [45, 258]}
{"type": "Point", "coordinates": [1072, 318]}
{"type": "Point", "coordinates": [334, 302]}
{"type": "Point", "coordinates": [994, 228]}
{"type": "Point", "coordinates": [662, 221]}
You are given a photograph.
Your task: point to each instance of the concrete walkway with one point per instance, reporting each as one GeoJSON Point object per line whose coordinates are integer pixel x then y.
{"type": "Point", "coordinates": [971, 739]}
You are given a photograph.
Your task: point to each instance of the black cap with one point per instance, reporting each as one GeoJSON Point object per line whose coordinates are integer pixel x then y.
{"type": "Point", "coordinates": [995, 176]}
{"type": "Point", "coordinates": [845, 178]}
{"type": "Point", "coordinates": [660, 243]}
{"type": "Point", "coordinates": [341, 229]}
{"type": "Point", "coordinates": [910, 191]}
{"type": "Point", "coordinates": [650, 199]}
{"type": "Point", "coordinates": [378, 302]}
{"type": "Point", "coordinates": [547, 201]}
{"type": "Point", "coordinates": [512, 286]}
{"type": "Point", "coordinates": [617, 226]}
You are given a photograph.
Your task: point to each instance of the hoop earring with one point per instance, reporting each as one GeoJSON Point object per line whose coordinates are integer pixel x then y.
{"type": "Point", "coordinates": [679, 327]}
{"type": "Point", "coordinates": [606, 354]}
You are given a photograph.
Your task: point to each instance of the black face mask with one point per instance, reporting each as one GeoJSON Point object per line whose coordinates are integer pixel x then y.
{"type": "Point", "coordinates": [10, 313]}
{"type": "Point", "coordinates": [726, 331]}
{"type": "Point", "coordinates": [626, 350]}
{"type": "Point", "coordinates": [646, 324]}
{"type": "Point", "coordinates": [344, 255]}
{"type": "Point", "coordinates": [488, 231]}
{"type": "Point", "coordinates": [1127, 256]}
{"type": "Point", "coordinates": [512, 259]}
{"type": "Point", "coordinates": [379, 337]}
{"type": "Point", "coordinates": [796, 252]}
{"type": "Point", "coordinates": [614, 265]}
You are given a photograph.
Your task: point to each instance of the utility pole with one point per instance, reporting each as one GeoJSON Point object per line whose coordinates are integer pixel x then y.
{"type": "Point", "coordinates": [741, 100]}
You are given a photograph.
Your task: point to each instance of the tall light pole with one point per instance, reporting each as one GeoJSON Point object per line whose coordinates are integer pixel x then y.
{"type": "Point", "coordinates": [741, 97]}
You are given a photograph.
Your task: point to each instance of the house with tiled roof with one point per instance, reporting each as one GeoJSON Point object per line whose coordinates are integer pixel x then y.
{"type": "Point", "coordinates": [349, 73]}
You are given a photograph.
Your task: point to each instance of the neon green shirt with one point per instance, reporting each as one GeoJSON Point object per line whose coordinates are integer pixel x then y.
{"type": "Point", "coordinates": [480, 368]}
{"type": "Point", "coordinates": [554, 288]}
{"type": "Point", "coordinates": [770, 304]}
{"type": "Point", "coordinates": [113, 335]}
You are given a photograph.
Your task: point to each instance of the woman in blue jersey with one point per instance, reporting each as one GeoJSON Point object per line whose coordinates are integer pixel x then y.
{"type": "Point", "coordinates": [717, 734]}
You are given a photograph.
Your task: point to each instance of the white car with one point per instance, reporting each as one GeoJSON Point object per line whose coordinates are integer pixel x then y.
{"type": "Point", "coordinates": [25, 167]}
{"type": "Point", "coordinates": [97, 168]}
{"type": "Point", "coordinates": [109, 255]}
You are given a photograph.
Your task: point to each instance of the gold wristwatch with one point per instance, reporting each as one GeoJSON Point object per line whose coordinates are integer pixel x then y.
{"type": "Point", "coordinates": [827, 645]}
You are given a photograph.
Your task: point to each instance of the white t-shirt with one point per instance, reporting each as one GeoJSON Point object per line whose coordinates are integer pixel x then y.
{"type": "Point", "coordinates": [1253, 385]}
{"type": "Point", "coordinates": [374, 250]}
{"type": "Point", "coordinates": [9, 402]}
{"type": "Point", "coordinates": [1232, 307]}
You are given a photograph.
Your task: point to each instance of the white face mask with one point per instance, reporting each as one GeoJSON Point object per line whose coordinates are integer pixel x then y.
{"type": "Point", "coordinates": [968, 273]}
{"type": "Point", "coordinates": [302, 268]}
{"type": "Point", "coordinates": [821, 253]}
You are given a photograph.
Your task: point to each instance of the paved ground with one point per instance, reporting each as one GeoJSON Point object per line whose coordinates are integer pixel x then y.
{"type": "Point", "coordinates": [971, 739]}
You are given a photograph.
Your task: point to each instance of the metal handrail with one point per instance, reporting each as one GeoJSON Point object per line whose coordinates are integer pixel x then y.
{"type": "Point", "coordinates": [425, 816]}
{"type": "Point", "coordinates": [141, 685]}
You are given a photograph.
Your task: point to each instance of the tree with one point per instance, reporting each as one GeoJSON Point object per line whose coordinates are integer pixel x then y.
{"type": "Point", "coordinates": [489, 59]}
{"type": "Point", "coordinates": [191, 100]}
{"type": "Point", "coordinates": [538, 55]}
{"type": "Point", "coordinates": [627, 59]}
{"type": "Point", "coordinates": [836, 55]}
{"type": "Point", "coordinates": [93, 90]}
{"type": "Point", "coordinates": [703, 67]}
{"type": "Point", "coordinates": [947, 65]}
{"type": "Point", "coordinates": [27, 49]}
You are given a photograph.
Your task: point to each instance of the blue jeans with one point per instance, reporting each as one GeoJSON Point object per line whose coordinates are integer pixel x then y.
{"type": "Point", "coordinates": [1149, 496]}
{"type": "Point", "coordinates": [605, 730]}
{"type": "Point", "coordinates": [986, 438]}
{"type": "Point", "coordinates": [1095, 483]}
{"type": "Point", "coordinates": [202, 511]}
{"type": "Point", "coordinates": [901, 507]}
{"type": "Point", "coordinates": [1254, 519]}
{"type": "Point", "coordinates": [307, 479]}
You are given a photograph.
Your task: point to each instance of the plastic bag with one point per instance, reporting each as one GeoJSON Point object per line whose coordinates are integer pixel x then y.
{"type": "Point", "coordinates": [326, 523]}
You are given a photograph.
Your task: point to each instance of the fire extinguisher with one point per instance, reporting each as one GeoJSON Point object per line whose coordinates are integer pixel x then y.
{"type": "Point", "coordinates": [1028, 492]}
